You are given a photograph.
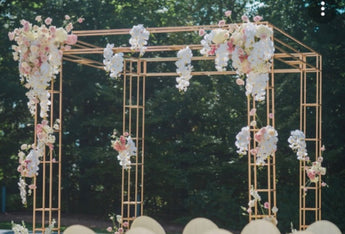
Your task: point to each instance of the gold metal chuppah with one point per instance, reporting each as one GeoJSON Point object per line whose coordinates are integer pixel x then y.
{"type": "Point", "coordinates": [291, 57]}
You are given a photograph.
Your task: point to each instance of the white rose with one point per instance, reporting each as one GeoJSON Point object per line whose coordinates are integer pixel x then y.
{"type": "Point", "coordinates": [23, 146]}
{"type": "Point", "coordinates": [220, 35]}
{"type": "Point", "coordinates": [60, 35]}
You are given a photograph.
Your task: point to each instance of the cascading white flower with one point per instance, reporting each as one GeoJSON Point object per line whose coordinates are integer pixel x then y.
{"type": "Point", "coordinates": [256, 85]}
{"type": "Point", "coordinates": [184, 68]}
{"type": "Point", "coordinates": [242, 140]}
{"type": "Point", "coordinates": [139, 37]}
{"type": "Point", "coordinates": [297, 143]}
{"type": "Point", "coordinates": [267, 138]}
{"type": "Point", "coordinates": [222, 57]}
{"type": "Point", "coordinates": [113, 63]}
{"type": "Point", "coordinates": [22, 188]}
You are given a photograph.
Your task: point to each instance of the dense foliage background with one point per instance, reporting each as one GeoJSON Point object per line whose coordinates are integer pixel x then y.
{"type": "Point", "coordinates": [192, 168]}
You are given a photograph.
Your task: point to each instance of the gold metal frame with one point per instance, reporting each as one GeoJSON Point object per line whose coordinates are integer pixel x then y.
{"type": "Point", "coordinates": [293, 57]}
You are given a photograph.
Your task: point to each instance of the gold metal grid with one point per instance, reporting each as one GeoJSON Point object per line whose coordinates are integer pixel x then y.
{"type": "Point", "coordinates": [289, 51]}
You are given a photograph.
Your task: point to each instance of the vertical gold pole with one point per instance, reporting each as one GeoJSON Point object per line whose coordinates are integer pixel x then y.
{"type": "Point", "coordinates": [35, 177]}
{"type": "Point", "coordinates": [123, 130]}
{"type": "Point", "coordinates": [60, 150]}
{"type": "Point", "coordinates": [143, 137]}
{"type": "Point", "coordinates": [320, 121]}
{"type": "Point", "coordinates": [249, 157]}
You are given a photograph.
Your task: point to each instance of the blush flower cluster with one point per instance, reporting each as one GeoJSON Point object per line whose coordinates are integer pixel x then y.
{"type": "Point", "coordinates": [251, 50]}
{"type": "Point", "coordinates": [267, 138]}
{"type": "Point", "coordinates": [39, 53]}
{"type": "Point", "coordinates": [125, 146]}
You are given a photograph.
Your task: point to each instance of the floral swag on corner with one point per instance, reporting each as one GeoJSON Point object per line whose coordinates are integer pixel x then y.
{"type": "Point", "coordinates": [39, 52]}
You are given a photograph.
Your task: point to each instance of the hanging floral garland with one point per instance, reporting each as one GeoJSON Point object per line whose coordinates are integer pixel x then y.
{"type": "Point", "coordinates": [39, 50]}
{"type": "Point", "coordinates": [184, 68]}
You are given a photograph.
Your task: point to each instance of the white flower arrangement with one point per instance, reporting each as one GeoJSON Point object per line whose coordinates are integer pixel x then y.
{"type": "Point", "coordinates": [242, 140]}
{"type": "Point", "coordinates": [19, 229]}
{"type": "Point", "coordinates": [139, 38]}
{"type": "Point", "coordinates": [297, 143]}
{"type": "Point", "coordinates": [113, 63]}
{"type": "Point", "coordinates": [184, 68]}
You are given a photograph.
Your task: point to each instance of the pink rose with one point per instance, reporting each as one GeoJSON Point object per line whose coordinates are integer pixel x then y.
{"type": "Point", "coordinates": [109, 229]}
{"type": "Point", "coordinates": [11, 36]}
{"type": "Point", "coordinates": [249, 210]}
{"type": "Point", "coordinates": [71, 39]}
{"type": "Point", "coordinates": [67, 17]}
{"type": "Point", "coordinates": [32, 186]}
{"type": "Point", "coordinates": [257, 18]}
{"type": "Point", "coordinates": [323, 148]}
{"type": "Point", "coordinates": [201, 32]}
{"type": "Point", "coordinates": [323, 184]}
{"type": "Point", "coordinates": [228, 13]}
{"type": "Point", "coordinates": [266, 205]}
{"type": "Point", "coordinates": [125, 224]}
{"type": "Point", "coordinates": [239, 81]}
{"type": "Point", "coordinates": [48, 21]}
{"type": "Point", "coordinates": [221, 23]}
{"type": "Point", "coordinates": [80, 20]}
{"type": "Point", "coordinates": [252, 112]}
{"type": "Point", "coordinates": [52, 29]}
{"type": "Point", "coordinates": [245, 18]}
{"type": "Point", "coordinates": [270, 115]}
{"type": "Point", "coordinates": [38, 18]}
{"type": "Point", "coordinates": [69, 27]}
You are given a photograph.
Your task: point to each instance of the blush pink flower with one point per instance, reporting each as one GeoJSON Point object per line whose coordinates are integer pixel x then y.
{"type": "Point", "coordinates": [38, 18]}
{"type": "Point", "coordinates": [228, 13]}
{"type": "Point", "coordinates": [257, 18]}
{"type": "Point", "coordinates": [323, 148]}
{"type": "Point", "coordinates": [67, 17]}
{"type": "Point", "coordinates": [80, 20]}
{"type": "Point", "coordinates": [11, 36]}
{"type": "Point", "coordinates": [32, 186]}
{"type": "Point", "coordinates": [323, 184]}
{"type": "Point", "coordinates": [48, 21]}
{"type": "Point", "coordinates": [249, 210]}
{"type": "Point", "coordinates": [245, 18]}
{"type": "Point", "coordinates": [71, 39]}
{"type": "Point", "coordinates": [221, 23]}
{"type": "Point", "coordinates": [270, 115]}
{"type": "Point", "coordinates": [201, 32]}
{"type": "Point", "coordinates": [252, 112]}
{"type": "Point", "coordinates": [109, 229]}
{"type": "Point", "coordinates": [239, 81]}
{"type": "Point", "coordinates": [266, 205]}
{"type": "Point", "coordinates": [125, 224]}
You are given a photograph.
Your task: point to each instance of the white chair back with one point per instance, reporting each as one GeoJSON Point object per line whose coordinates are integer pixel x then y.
{"type": "Point", "coordinates": [199, 226]}
{"type": "Point", "coordinates": [323, 227]}
{"type": "Point", "coordinates": [139, 230]}
{"type": "Point", "coordinates": [260, 227]}
{"type": "Point", "coordinates": [217, 231]}
{"type": "Point", "coordinates": [78, 229]}
{"type": "Point", "coordinates": [148, 223]}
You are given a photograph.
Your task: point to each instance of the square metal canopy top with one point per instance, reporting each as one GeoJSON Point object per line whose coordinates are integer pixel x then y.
{"type": "Point", "coordinates": [288, 50]}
